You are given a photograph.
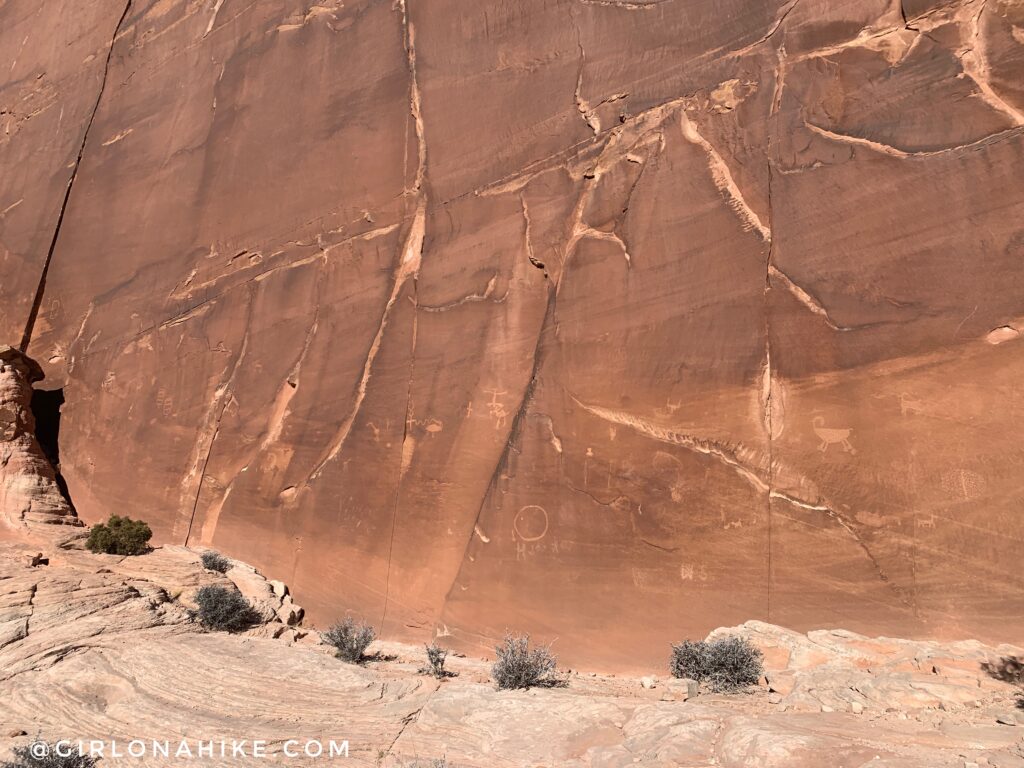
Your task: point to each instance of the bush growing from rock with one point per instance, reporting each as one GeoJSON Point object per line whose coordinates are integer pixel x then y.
{"type": "Point", "coordinates": [224, 609]}
{"type": "Point", "coordinates": [726, 664]}
{"type": "Point", "coordinates": [119, 536]}
{"type": "Point", "coordinates": [350, 639]}
{"type": "Point", "coordinates": [436, 656]}
{"type": "Point", "coordinates": [215, 561]}
{"type": "Point", "coordinates": [24, 758]}
{"type": "Point", "coordinates": [519, 666]}
{"type": "Point", "coordinates": [1009, 669]}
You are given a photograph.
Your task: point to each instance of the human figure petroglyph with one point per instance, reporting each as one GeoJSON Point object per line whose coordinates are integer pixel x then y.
{"type": "Point", "coordinates": [910, 405]}
{"type": "Point", "coordinates": [693, 572]}
{"type": "Point", "coordinates": [669, 409]}
{"type": "Point", "coordinates": [496, 408]}
{"type": "Point", "coordinates": [164, 401]}
{"type": "Point", "coordinates": [830, 436]}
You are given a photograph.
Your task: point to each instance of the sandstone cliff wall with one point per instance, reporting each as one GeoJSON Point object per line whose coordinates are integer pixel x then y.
{"type": "Point", "coordinates": [615, 321]}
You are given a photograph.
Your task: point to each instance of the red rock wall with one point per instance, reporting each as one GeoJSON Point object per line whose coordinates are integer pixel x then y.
{"type": "Point", "coordinates": [612, 321]}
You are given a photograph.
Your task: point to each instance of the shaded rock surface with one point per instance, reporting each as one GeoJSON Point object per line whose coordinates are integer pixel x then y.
{"type": "Point", "coordinates": [29, 492]}
{"type": "Point", "coordinates": [101, 647]}
{"type": "Point", "coordinates": [601, 319]}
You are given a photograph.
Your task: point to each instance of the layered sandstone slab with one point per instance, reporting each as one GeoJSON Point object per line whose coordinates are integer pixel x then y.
{"type": "Point", "coordinates": [101, 647]}
{"type": "Point", "coordinates": [611, 321]}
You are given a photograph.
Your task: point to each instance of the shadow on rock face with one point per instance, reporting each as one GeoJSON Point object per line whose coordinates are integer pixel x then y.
{"type": "Point", "coordinates": [46, 406]}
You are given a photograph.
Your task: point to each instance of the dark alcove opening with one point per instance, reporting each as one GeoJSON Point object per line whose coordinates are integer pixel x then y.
{"type": "Point", "coordinates": [46, 405]}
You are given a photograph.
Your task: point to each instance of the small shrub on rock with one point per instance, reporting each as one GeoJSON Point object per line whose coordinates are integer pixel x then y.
{"type": "Point", "coordinates": [215, 561]}
{"type": "Point", "coordinates": [1009, 669]}
{"type": "Point", "coordinates": [350, 639]}
{"type": "Point", "coordinates": [224, 609]}
{"type": "Point", "coordinates": [519, 666]}
{"type": "Point", "coordinates": [436, 656]}
{"type": "Point", "coordinates": [24, 757]}
{"type": "Point", "coordinates": [119, 536]}
{"type": "Point", "coordinates": [726, 664]}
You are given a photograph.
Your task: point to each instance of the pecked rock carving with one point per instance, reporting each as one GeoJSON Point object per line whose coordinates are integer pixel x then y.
{"type": "Point", "coordinates": [608, 258]}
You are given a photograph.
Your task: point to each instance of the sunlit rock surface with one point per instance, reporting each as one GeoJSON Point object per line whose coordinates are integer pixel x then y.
{"type": "Point", "coordinates": [611, 321]}
{"type": "Point", "coordinates": [102, 647]}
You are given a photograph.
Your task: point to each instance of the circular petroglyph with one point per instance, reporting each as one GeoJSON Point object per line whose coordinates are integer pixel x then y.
{"type": "Point", "coordinates": [531, 523]}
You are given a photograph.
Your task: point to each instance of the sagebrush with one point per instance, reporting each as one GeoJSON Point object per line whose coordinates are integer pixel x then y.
{"type": "Point", "coordinates": [215, 561]}
{"type": "Point", "coordinates": [350, 639]}
{"type": "Point", "coordinates": [436, 656]}
{"type": "Point", "coordinates": [519, 666]}
{"type": "Point", "coordinates": [726, 664]}
{"type": "Point", "coordinates": [1009, 669]}
{"type": "Point", "coordinates": [224, 609]}
{"type": "Point", "coordinates": [119, 536]}
{"type": "Point", "coordinates": [24, 757]}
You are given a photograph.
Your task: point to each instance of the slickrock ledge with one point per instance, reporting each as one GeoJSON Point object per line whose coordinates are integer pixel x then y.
{"type": "Point", "coordinates": [99, 646]}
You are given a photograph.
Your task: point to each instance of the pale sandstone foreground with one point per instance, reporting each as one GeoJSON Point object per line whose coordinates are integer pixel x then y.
{"type": "Point", "coordinates": [102, 647]}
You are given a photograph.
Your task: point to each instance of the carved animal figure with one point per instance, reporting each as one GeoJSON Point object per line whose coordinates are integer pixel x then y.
{"type": "Point", "coordinates": [831, 436]}
{"type": "Point", "coordinates": [910, 405]}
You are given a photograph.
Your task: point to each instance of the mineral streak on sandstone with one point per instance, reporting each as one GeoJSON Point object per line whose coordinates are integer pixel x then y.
{"type": "Point", "coordinates": [557, 315]}
{"type": "Point", "coordinates": [28, 487]}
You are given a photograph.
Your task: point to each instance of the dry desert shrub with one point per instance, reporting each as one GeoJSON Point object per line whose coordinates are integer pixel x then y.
{"type": "Point", "coordinates": [32, 756]}
{"type": "Point", "coordinates": [224, 609]}
{"type": "Point", "coordinates": [436, 656]}
{"type": "Point", "coordinates": [350, 639]}
{"type": "Point", "coordinates": [1009, 669]}
{"type": "Point", "coordinates": [727, 664]}
{"type": "Point", "coordinates": [215, 561]}
{"type": "Point", "coordinates": [519, 666]}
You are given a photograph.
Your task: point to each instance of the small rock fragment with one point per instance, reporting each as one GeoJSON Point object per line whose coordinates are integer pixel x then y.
{"type": "Point", "coordinates": [648, 682]}
{"type": "Point", "coordinates": [279, 587]}
{"type": "Point", "coordinates": [682, 688]}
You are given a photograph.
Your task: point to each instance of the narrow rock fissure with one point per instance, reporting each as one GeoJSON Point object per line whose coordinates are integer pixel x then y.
{"type": "Point", "coordinates": [46, 409]}
{"type": "Point", "coordinates": [37, 301]}
{"type": "Point", "coordinates": [768, 382]}
{"type": "Point", "coordinates": [405, 458]}
{"type": "Point", "coordinates": [411, 257]}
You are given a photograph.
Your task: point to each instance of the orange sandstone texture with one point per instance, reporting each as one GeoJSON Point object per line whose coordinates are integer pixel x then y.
{"type": "Point", "coordinates": [610, 321]}
{"type": "Point", "coordinates": [29, 492]}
